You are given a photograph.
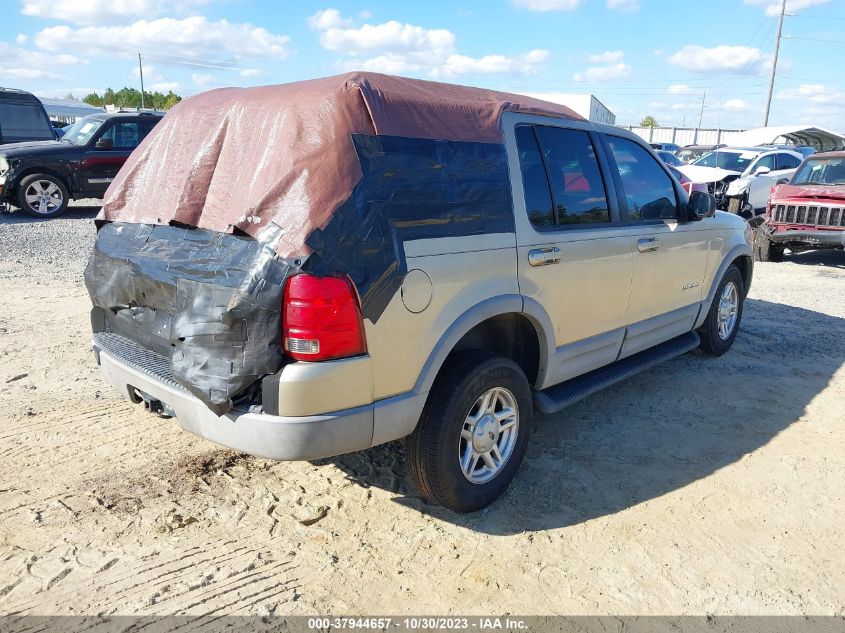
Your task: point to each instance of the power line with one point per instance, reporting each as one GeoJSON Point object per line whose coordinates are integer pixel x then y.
{"type": "Point", "coordinates": [193, 62]}
{"type": "Point", "coordinates": [817, 17]}
{"type": "Point", "coordinates": [812, 39]}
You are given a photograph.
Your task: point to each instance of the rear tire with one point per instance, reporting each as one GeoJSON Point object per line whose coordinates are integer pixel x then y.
{"type": "Point", "coordinates": [467, 447]}
{"type": "Point", "coordinates": [42, 196]}
{"type": "Point", "coordinates": [765, 250]}
{"type": "Point", "coordinates": [722, 324]}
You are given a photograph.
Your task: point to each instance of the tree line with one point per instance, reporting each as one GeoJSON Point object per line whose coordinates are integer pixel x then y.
{"type": "Point", "coordinates": [131, 98]}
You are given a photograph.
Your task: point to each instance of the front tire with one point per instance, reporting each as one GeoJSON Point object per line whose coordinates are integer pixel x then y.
{"type": "Point", "coordinates": [722, 324]}
{"type": "Point", "coordinates": [473, 432]}
{"type": "Point", "coordinates": [765, 250]}
{"type": "Point", "coordinates": [42, 196]}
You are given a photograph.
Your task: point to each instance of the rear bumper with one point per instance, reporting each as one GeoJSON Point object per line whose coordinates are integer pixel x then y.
{"type": "Point", "coordinates": [810, 238]}
{"type": "Point", "coordinates": [274, 437]}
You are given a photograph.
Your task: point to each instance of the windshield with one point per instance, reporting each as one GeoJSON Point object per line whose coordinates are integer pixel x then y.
{"type": "Point", "coordinates": [732, 161]}
{"type": "Point", "coordinates": [81, 132]}
{"type": "Point", "coordinates": [821, 171]}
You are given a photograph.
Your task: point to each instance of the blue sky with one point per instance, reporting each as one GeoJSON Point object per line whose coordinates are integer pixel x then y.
{"type": "Point", "coordinates": [638, 56]}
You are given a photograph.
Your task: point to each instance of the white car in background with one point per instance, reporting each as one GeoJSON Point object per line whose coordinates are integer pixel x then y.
{"type": "Point", "coordinates": [742, 177]}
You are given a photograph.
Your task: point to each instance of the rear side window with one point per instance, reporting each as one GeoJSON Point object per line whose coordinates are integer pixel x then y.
{"type": "Point", "coordinates": [147, 125]}
{"type": "Point", "coordinates": [538, 197]}
{"type": "Point", "coordinates": [559, 166]}
{"type": "Point", "coordinates": [21, 120]}
{"type": "Point", "coordinates": [787, 161]}
{"type": "Point", "coordinates": [649, 192]}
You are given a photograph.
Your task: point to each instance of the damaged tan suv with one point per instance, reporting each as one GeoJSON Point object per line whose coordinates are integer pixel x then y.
{"type": "Point", "coordinates": [309, 269]}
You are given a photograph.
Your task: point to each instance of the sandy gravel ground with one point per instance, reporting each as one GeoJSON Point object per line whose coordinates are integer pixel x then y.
{"type": "Point", "coordinates": [703, 486]}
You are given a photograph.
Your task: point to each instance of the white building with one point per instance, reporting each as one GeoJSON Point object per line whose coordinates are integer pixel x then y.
{"type": "Point", "coordinates": [584, 104]}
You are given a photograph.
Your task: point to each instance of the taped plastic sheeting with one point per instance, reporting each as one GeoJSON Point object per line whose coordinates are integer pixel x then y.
{"type": "Point", "coordinates": [208, 301]}
{"type": "Point", "coordinates": [411, 189]}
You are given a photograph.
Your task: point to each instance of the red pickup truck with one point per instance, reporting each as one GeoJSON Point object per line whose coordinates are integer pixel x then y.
{"type": "Point", "coordinates": [806, 213]}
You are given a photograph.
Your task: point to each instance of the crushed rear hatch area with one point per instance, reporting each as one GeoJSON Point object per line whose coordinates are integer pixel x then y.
{"type": "Point", "coordinates": [208, 302]}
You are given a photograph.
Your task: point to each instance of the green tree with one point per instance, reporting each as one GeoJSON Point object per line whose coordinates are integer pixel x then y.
{"type": "Point", "coordinates": [69, 96]}
{"type": "Point", "coordinates": [131, 98]}
{"type": "Point", "coordinates": [93, 99]}
{"type": "Point", "coordinates": [170, 100]}
{"type": "Point", "coordinates": [649, 121]}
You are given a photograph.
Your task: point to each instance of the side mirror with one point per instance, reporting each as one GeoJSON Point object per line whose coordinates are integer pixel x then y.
{"type": "Point", "coordinates": [782, 181]}
{"type": "Point", "coordinates": [701, 205]}
{"type": "Point", "coordinates": [761, 171]}
{"type": "Point", "coordinates": [103, 143]}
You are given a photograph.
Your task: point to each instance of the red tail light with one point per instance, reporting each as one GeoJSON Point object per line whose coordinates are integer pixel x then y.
{"type": "Point", "coordinates": [322, 319]}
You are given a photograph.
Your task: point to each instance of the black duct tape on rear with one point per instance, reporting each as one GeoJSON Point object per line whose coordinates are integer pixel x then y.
{"type": "Point", "coordinates": [210, 302]}
{"type": "Point", "coordinates": [411, 189]}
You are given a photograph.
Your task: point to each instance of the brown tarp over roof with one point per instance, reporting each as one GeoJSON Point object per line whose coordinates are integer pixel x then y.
{"type": "Point", "coordinates": [246, 158]}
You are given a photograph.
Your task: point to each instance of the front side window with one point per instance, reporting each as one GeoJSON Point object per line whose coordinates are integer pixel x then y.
{"type": "Point", "coordinates": [649, 192]}
{"type": "Point", "coordinates": [764, 161]}
{"type": "Point", "coordinates": [123, 135]}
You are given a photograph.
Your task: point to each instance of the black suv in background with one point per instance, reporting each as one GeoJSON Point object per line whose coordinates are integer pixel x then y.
{"type": "Point", "coordinates": [23, 118]}
{"type": "Point", "coordinates": [42, 177]}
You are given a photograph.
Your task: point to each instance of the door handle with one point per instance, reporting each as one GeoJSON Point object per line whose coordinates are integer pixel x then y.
{"type": "Point", "coordinates": [543, 256]}
{"type": "Point", "coordinates": [648, 244]}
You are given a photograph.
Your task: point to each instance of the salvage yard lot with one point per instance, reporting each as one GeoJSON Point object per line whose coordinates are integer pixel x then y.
{"type": "Point", "coordinates": [701, 486]}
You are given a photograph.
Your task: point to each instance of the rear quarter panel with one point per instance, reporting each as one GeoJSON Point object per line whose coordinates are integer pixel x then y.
{"type": "Point", "coordinates": [464, 272]}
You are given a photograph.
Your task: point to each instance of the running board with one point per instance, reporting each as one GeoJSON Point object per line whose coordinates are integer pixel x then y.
{"type": "Point", "coordinates": [557, 397]}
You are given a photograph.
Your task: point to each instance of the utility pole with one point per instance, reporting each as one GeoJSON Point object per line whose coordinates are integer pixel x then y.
{"type": "Point", "coordinates": [774, 63]}
{"type": "Point", "coordinates": [141, 72]}
{"type": "Point", "coordinates": [701, 113]}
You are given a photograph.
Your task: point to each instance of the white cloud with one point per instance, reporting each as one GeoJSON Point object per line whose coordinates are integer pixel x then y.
{"type": "Point", "coordinates": [390, 36]}
{"type": "Point", "coordinates": [202, 79]}
{"type": "Point", "coordinates": [604, 73]}
{"type": "Point", "coordinates": [397, 48]}
{"type": "Point", "coordinates": [792, 6]}
{"type": "Point", "coordinates": [250, 72]}
{"type": "Point", "coordinates": [20, 63]}
{"type": "Point", "coordinates": [328, 19]}
{"type": "Point", "coordinates": [457, 65]}
{"type": "Point", "coordinates": [815, 94]}
{"type": "Point", "coordinates": [720, 59]}
{"type": "Point", "coordinates": [614, 68]}
{"type": "Point", "coordinates": [194, 36]}
{"type": "Point", "coordinates": [91, 12]}
{"type": "Point", "coordinates": [608, 57]}
{"type": "Point", "coordinates": [810, 103]}
{"type": "Point", "coordinates": [21, 38]}
{"type": "Point", "coordinates": [547, 5]}
{"type": "Point", "coordinates": [164, 86]}
{"type": "Point", "coordinates": [623, 5]}
{"type": "Point", "coordinates": [735, 105]}
{"type": "Point", "coordinates": [150, 73]}
{"type": "Point", "coordinates": [679, 89]}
